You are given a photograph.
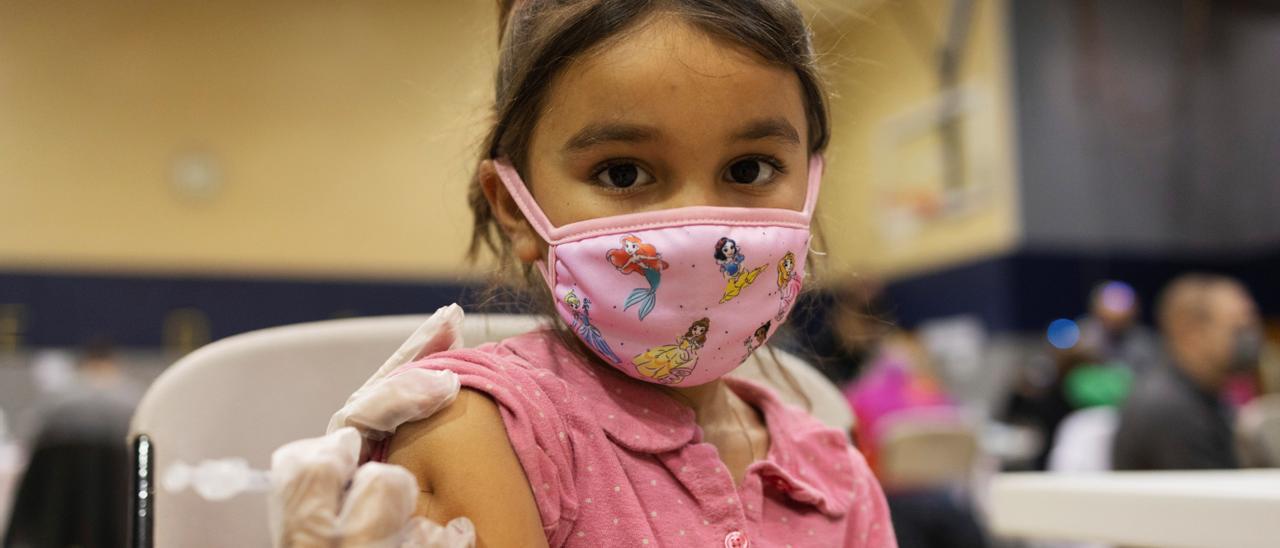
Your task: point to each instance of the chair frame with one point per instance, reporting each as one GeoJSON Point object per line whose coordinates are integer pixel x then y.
{"type": "Point", "coordinates": [142, 503]}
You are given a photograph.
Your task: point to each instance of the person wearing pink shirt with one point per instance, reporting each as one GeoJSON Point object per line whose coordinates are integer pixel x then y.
{"type": "Point", "coordinates": [672, 128]}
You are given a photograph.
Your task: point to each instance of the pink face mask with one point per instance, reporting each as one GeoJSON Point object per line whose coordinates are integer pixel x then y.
{"type": "Point", "coordinates": [679, 296]}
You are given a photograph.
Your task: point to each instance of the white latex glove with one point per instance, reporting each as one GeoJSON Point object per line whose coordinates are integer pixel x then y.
{"type": "Point", "coordinates": [309, 503]}
{"type": "Point", "coordinates": [383, 403]}
{"type": "Point", "coordinates": [309, 508]}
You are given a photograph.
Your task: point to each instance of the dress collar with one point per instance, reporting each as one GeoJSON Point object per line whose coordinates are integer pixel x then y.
{"type": "Point", "coordinates": [636, 415]}
{"type": "Point", "coordinates": [641, 417]}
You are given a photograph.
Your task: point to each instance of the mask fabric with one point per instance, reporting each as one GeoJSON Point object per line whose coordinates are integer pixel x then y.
{"type": "Point", "coordinates": [678, 296]}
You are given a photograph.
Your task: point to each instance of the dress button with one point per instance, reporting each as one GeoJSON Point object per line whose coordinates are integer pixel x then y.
{"type": "Point", "coordinates": [735, 539]}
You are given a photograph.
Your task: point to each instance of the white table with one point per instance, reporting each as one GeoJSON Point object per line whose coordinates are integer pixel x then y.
{"type": "Point", "coordinates": [1239, 508]}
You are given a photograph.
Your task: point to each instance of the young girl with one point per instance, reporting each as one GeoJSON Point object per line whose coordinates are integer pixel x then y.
{"type": "Point", "coordinates": [676, 123]}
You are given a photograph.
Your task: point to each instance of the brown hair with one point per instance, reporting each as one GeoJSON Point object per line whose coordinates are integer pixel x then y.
{"type": "Point", "coordinates": [540, 37]}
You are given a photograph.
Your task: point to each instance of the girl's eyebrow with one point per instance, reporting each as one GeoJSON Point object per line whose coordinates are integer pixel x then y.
{"type": "Point", "coordinates": [600, 133]}
{"type": "Point", "coordinates": [594, 134]}
{"type": "Point", "coordinates": [776, 128]}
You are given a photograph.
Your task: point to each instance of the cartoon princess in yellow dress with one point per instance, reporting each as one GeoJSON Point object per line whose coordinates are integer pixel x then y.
{"type": "Point", "coordinates": [671, 363]}
{"type": "Point", "coordinates": [730, 259]}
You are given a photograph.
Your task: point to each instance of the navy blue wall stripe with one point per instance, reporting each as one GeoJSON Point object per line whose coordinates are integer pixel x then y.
{"type": "Point", "coordinates": [1019, 291]}
{"type": "Point", "coordinates": [1028, 289]}
{"type": "Point", "coordinates": [62, 310]}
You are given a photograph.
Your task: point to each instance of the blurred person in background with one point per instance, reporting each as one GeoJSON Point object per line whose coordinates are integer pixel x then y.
{"type": "Point", "coordinates": [1080, 408]}
{"type": "Point", "coordinates": [897, 378]}
{"type": "Point", "coordinates": [1091, 370]}
{"type": "Point", "coordinates": [899, 391]}
{"type": "Point", "coordinates": [1175, 418]}
{"type": "Point", "coordinates": [75, 489]}
{"type": "Point", "coordinates": [1111, 331]}
{"type": "Point", "coordinates": [1096, 376]}
{"type": "Point", "coordinates": [1089, 394]}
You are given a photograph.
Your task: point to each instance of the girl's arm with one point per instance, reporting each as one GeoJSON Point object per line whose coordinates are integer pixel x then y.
{"type": "Point", "coordinates": [465, 465]}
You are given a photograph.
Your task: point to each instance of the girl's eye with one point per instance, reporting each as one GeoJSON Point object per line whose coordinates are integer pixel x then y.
{"type": "Point", "coordinates": [751, 171]}
{"type": "Point", "coordinates": [623, 176]}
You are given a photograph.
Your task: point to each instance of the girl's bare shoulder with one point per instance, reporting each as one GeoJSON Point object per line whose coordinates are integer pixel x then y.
{"type": "Point", "coordinates": [464, 461]}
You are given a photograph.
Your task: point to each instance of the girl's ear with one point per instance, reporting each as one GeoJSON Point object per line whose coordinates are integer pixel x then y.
{"type": "Point", "coordinates": [525, 242]}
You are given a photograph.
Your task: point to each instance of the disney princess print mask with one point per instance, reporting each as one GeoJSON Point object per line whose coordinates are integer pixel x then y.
{"type": "Point", "coordinates": [671, 296]}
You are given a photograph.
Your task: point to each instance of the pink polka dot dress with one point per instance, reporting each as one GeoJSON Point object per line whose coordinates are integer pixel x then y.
{"type": "Point", "coordinates": [616, 462]}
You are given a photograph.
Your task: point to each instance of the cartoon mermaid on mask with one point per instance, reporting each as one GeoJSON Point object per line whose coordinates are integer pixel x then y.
{"type": "Point", "coordinates": [789, 283]}
{"type": "Point", "coordinates": [637, 257]}
{"type": "Point", "coordinates": [582, 326]}
{"type": "Point", "coordinates": [671, 363]}
{"type": "Point", "coordinates": [730, 259]}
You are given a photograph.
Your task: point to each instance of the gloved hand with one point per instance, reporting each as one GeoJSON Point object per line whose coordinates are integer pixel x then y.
{"type": "Point", "coordinates": [383, 403]}
{"type": "Point", "coordinates": [310, 505]}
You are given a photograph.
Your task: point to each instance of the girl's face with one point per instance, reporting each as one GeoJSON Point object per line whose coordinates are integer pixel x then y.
{"type": "Point", "coordinates": [729, 249]}
{"type": "Point", "coordinates": [788, 264]}
{"type": "Point", "coordinates": [630, 247]}
{"type": "Point", "coordinates": [658, 117]}
{"type": "Point", "coordinates": [699, 331]}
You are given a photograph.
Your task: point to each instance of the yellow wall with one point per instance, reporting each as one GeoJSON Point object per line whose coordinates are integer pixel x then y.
{"type": "Point", "coordinates": [879, 73]}
{"type": "Point", "coordinates": [345, 132]}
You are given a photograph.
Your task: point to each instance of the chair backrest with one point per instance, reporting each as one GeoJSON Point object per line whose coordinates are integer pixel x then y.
{"type": "Point", "coordinates": [246, 395]}
{"type": "Point", "coordinates": [920, 448]}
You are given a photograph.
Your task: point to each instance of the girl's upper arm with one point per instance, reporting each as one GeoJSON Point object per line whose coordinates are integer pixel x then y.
{"type": "Point", "coordinates": [466, 466]}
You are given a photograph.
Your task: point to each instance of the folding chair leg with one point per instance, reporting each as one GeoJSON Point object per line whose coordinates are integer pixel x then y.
{"type": "Point", "coordinates": [142, 501]}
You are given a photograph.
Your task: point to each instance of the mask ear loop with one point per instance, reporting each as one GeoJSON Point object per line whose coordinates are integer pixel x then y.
{"type": "Point", "coordinates": [532, 213]}
{"type": "Point", "coordinates": [524, 200]}
{"type": "Point", "coordinates": [817, 165]}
